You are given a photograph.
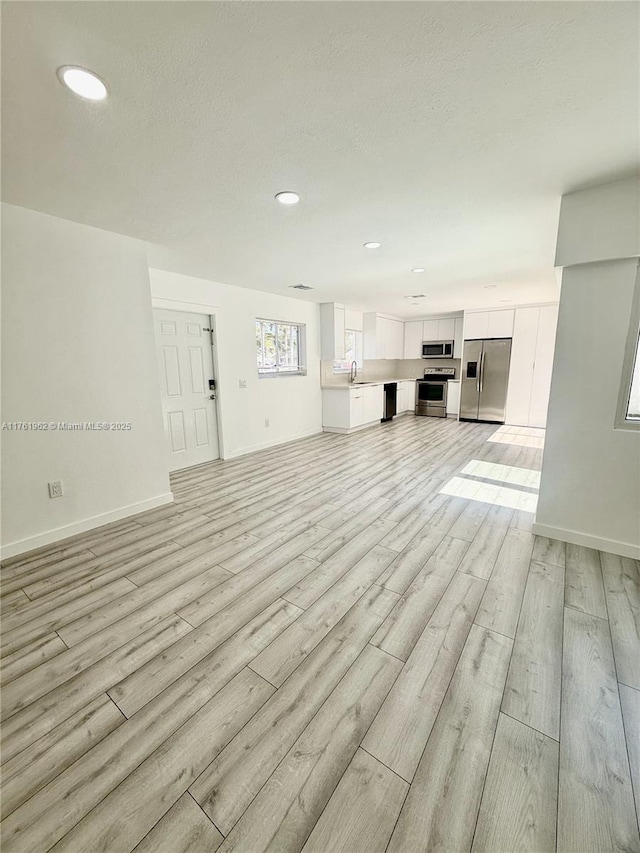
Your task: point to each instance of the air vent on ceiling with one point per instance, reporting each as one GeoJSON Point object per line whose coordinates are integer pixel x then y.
{"type": "Point", "coordinates": [301, 287]}
{"type": "Point", "coordinates": [417, 296]}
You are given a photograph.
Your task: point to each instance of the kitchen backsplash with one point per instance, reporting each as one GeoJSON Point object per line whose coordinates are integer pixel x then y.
{"type": "Point", "coordinates": [383, 368]}
{"type": "Point", "coordinates": [416, 367]}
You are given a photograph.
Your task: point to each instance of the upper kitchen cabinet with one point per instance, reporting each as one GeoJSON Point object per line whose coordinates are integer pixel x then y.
{"type": "Point", "coordinates": [532, 348]}
{"type": "Point", "coordinates": [353, 320]}
{"type": "Point", "coordinates": [383, 337]}
{"type": "Point", "coordinates": [436, 329]}
{"type": "Point", "coordinates": [458, 339]}
{"type": "Point", "coordinates": [440, 329]}
{"type": "Point", "coordinates": [413, 339]}
{"type": "Point", "coordinates": [332, 326]}
{"type": "Point", "coordinates": [488, 324]}
{"type": "Point", "coordinates": [430, 330]}
{"type": "Point", "coordinates": [446, 329]}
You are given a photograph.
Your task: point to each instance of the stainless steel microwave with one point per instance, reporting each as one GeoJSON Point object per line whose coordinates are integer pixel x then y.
{"type": "Point", "coordinates": [437, 349]}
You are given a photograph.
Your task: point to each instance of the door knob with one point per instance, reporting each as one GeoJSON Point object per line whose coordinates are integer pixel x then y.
{"type": "Point", "coordinates": [212, 396]}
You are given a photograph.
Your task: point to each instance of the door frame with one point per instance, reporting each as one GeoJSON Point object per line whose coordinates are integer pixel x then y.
{"type": "Point", "coordinates": [210, 311]}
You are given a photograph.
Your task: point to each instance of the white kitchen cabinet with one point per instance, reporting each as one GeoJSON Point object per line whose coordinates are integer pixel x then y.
{"type": "Point", "coordinates": [531, 364]}
{"type": "Point", "coordinates": [373, 403]}
{"type": "Point", "coordinates": [430, 330]}
{"type": "Point", "coordinates": [453, 398]}
{"type": "Point", "coordinates": [413, 339]}
{"type": "Point", "coordinates": [500, 324]}
{"type": "Point", "coordinates": [401, 402]}
{"type": "Point", "coordinates": [397, 339]}
{"type": "Point", "coordinates": [353, 320]}
{"type": "Point", "coordinates": [384, 334]}
{"type": "Point", "coordinates": [440, 329]}
{"type": "Point", "coordinates": [411, 396]}
{"type": "Point", "coordinates": [383, 337]}
{"type": "Point", "coordinates": [523, 356]}
{"type": "Point", "coordinates": [476, 325]}
{"type": "Point", "coordinates": [356, 408]}
{"type": "Point", "coordinates": [543, 366]}
{"type": "Point", "coordinates": [458, 338]}
{"type": "Point", "coordinates": [406, 396]}
{"type": "Point", "coordinates": [332, 326]}
{"type": "Point", "coordinates": [488, 324]}
{"type": "Point", "coordinates": [446, 329]}
{"type": "Point", "coordinates": [346, 409]}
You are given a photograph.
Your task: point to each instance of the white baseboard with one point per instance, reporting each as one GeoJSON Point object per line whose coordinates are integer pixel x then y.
{"type": "Point", "coordinates": [349, 430]}
{"type": "Point", "coordinates": [12, 549]}
{"type": "Point", "coordinates": [274, 442]}
{"type": "Point", "coordinates": [612, 546]}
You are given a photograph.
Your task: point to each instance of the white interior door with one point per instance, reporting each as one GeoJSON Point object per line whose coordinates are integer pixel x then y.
{"type": "Point", "coordinates": [185, 361]}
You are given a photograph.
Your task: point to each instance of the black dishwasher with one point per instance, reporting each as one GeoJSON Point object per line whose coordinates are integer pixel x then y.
{"type": "Point", "coordinates": [390, 400]}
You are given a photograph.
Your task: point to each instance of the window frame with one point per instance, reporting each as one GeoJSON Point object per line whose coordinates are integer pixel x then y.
{"type": "Point", "coordinates": [278, 371]}
{"type": "Point", "coordinates": [631, 355]}
{"type": "Point", "coordinates": [359, 346]}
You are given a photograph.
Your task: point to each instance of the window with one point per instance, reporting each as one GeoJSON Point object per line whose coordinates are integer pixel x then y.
{"type": "Point", "coordinates": [352, 351]}
{"type": "Point", "coordinates": [279, 348]}
{"type": "Point", "coordinates": [633, 403]}
{"type": "Point", "coordinates": [628, 411]}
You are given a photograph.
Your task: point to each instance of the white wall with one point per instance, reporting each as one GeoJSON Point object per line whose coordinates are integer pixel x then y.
{"type": "Point", "coordinates": [599, 224]}
{"type": "Point", "coordinates": [291, 404]}
{"type": "Point", "coordinates": [590, 482]}
{"type": "Point", "coordinates": [77, 346]}
{"type": "Point", "coordinates": [590, 487]}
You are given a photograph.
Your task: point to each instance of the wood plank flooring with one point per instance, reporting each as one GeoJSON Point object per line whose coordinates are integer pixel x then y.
{"type": "Point", "coordinates": [346, 643]}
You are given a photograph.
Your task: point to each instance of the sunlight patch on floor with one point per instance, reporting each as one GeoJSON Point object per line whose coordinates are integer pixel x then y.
{"type": "Point", "coordinates": [514, 438]}
{"type": "Point", "coordinates": [490, 493]}
{"type": "Point", "coordinates": [503, 473]}
{"type": "Point", "coordinates": [524, 436]}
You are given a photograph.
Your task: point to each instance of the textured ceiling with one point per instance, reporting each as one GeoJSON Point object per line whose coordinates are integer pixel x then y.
{"type": "Point", "coordinates": [447, 131]}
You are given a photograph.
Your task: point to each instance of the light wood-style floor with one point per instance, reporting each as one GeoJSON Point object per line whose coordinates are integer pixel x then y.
{"type": "Point", "coordinates": [315, 648]}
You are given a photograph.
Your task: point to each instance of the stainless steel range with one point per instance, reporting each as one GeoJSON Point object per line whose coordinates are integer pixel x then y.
{"type": "Point", "coordinates": [431, 392]}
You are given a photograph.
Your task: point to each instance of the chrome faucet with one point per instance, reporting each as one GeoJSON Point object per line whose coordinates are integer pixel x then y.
{"type": "Point", "coordinates": [353, 372]}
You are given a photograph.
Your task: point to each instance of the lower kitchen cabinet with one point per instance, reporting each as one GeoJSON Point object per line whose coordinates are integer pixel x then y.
{"type": "Point", "coordinates": [373, 404]}
{"type": "Point", "coordinates": [406, 397]}
{"type": "Point", "coordinates": [347, 409]}
{"type": "Point", "coordinates": [453, 398]}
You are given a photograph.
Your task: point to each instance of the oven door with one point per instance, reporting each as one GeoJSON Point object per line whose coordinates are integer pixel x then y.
{"type": "Point", "coordinates": [431, 397]}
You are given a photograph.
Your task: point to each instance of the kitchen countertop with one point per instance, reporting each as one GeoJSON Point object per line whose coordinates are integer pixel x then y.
{"type": "Point", "coordinates": [358, 384]}
{"type": "Point", "coordinates": [373, 382]}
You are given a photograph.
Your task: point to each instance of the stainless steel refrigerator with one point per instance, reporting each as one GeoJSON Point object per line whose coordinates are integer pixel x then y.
{"type": "Point", "coordinates": [485, 376]}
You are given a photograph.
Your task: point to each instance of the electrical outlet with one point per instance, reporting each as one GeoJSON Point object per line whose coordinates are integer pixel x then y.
{"type": "Point", "coordinates": [55, 489]}
{"type": "Point", "coordinates": [242, 383]}
{"type": "Point", "coordinates": [266, 422]}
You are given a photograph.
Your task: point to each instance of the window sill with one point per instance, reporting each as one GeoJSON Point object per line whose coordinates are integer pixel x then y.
{"type": "Point", "coordinates": [628, 425]}
{"type": "Point", "coordinates": [282, 375]}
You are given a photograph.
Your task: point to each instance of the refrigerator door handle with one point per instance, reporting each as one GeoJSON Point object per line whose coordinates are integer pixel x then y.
{"type": "Point", "coordinates": [481, 372]}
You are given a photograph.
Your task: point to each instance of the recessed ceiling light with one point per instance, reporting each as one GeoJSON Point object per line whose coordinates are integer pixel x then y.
{"type": "Point", "coordinates": [372, 245]}
{"type": "Point", "coordinates": [301, 286]}
{"type": "Point", "coordinates": [288, 197]}
{"type": "Point", "coordinates": [490, 286]}
{"type": "Point", "coordinates": [419, 269]}
{"type": "Point", "coordinates": [82, 82]}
